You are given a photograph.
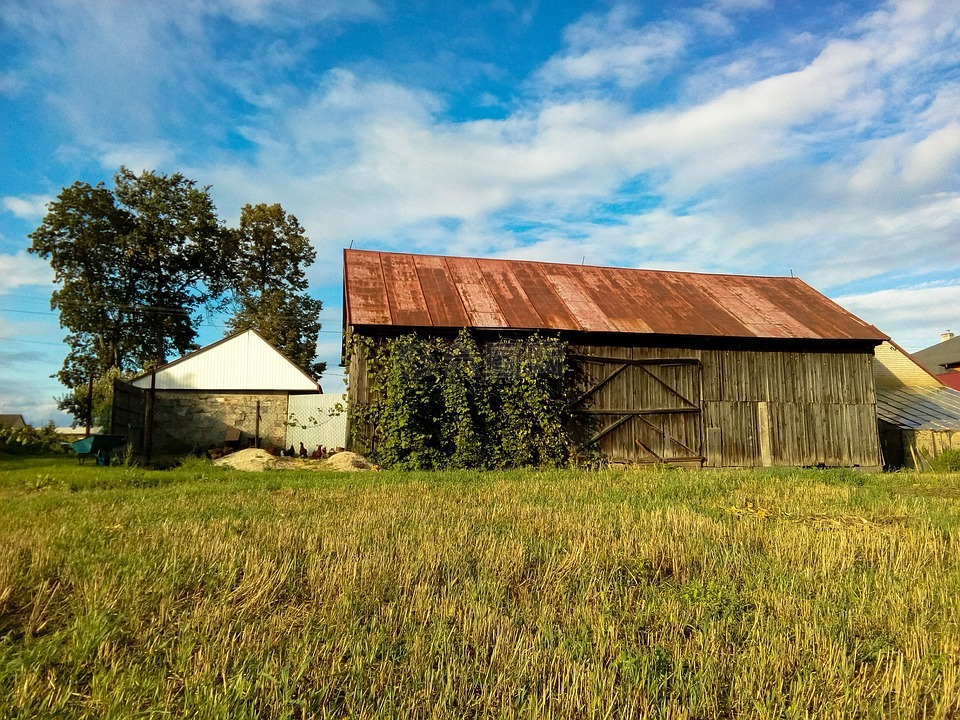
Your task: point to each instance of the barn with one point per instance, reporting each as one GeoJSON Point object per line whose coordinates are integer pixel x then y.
{"type": "Point", "coordinates": [238, 391]}
{"type": "Point", "coordinates": [684, 368]}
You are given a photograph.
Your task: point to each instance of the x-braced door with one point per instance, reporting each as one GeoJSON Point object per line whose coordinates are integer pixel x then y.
{"type": "Point", "coordinates": [641, 410]}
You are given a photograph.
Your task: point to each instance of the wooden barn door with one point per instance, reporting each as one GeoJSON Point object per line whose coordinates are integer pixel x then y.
{"type": "Point", "coordinates": [641, 410]}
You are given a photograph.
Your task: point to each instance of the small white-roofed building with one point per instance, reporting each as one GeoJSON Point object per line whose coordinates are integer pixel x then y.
{"type": "Point", "coordinates": [234, 392]}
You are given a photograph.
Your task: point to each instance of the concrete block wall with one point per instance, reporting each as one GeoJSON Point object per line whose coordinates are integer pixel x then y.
{"type": "Point", "coordinates": [188, 421]}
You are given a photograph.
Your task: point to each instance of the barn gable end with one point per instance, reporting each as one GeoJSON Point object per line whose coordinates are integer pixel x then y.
{"type": "Point", "coordinates": [715, 370]}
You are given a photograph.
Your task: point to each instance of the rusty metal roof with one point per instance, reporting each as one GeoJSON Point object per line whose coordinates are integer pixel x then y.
{"type": "Point", "coordinates": [403, 290]}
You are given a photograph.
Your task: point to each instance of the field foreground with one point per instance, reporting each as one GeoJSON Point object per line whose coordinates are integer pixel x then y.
{"type": "Point", "coordinates": [204, 592]}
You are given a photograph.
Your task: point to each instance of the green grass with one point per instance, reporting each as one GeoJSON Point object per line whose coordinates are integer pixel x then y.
{"type": "Point", "coordinates": [208, 593]}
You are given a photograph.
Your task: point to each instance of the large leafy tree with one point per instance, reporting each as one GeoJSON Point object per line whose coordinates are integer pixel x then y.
{"type": "Point", "coordinates": [133, 266]}
{"type": "Point", "coordinates": [182, 256]}
{"type": "Point", "coordinates": [85, 236]}
{"type": "Point", "coordinates": [270, 284]}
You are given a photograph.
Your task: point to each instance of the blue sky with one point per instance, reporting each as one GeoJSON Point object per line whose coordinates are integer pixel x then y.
{"type": "Point", "coordinates": [744, 136]}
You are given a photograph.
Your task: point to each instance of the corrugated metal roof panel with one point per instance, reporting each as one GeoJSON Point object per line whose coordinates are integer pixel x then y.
{"type": "Point", "coordinates": [429, 291]}
{"type": "Point", "coordinates": [440, 292]}
{"type": "Point", "coordinates": [575, 296]}
{"type": "Point", "coordinates": [919, 408]}
{"type": "Point", "coordinates": [366, 290]}
{"type": "Point", "coordinates": [478, 301]}
{"type": "Point", "coordinates": [408, 306]}
{"type": "Point", "coordinates": [516, 307]}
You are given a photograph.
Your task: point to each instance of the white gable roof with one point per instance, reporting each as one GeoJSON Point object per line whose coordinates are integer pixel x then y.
{"type": "Point", "coordinates": [243, 361]}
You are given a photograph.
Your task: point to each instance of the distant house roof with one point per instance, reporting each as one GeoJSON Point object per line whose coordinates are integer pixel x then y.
{"type": "Point", "coordinates": [908, 396]}
{"type": "Point", "coordinates": [243, 361]}
{"type": "Point", "coordinates": [396, 289]}
{"type": "Point", "coordinates": [12, 421]}
{"type": "Point", "coordinates": [950, 379]}
{"type": "Point", "coordinates": [939, 357]}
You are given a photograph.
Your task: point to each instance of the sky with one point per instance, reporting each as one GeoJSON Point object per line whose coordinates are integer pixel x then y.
{"type": "Point", "coordinates": [760, 137]}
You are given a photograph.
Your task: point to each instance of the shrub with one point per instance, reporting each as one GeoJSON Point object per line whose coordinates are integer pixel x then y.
{"type": "Point", "coordinates": [29, 440]}
{"type": "Point", "coordinates": [947, 461]}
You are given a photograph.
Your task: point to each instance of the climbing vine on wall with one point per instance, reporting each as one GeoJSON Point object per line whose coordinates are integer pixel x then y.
{"type": "Point", "coordinates": [446, 403]}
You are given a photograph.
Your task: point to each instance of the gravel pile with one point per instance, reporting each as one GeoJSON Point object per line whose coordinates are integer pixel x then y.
{"type": "Point", "coordinates": [257, 460]}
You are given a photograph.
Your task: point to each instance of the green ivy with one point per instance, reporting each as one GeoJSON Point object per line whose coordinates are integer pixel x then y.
{"type": "Point", "coordinates": [440, 403]}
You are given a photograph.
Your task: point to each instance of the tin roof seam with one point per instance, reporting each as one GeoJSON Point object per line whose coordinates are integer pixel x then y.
{"type": "Point", "coordinates": [515, 294]}
{"type": "Point", "coordinates": [459, 296]}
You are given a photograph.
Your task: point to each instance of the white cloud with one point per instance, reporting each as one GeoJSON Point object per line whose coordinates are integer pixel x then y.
{"type": "Point", "coordinates": [27, 207]}
{"type": "Point", "coordinates": [11, 84]}
{"type": "Point", "coordinates": [119, 72]}
{"type": "Point", "coordinates": [913, 317]}
{"type": "Point", "coordinates": [136, 156]}
{"type": "Point", "coordinates": [605, 48]}
{"type": "Point", "coordinates": [935, 159]}
{"type": "Point", "coordinates": [261, 12]}
{"type": "Point", "coordinates": [21, 270]}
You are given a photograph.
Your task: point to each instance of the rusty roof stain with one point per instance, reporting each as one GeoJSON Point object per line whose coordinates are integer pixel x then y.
{"type": "Point", "coordinates": [416, 291]}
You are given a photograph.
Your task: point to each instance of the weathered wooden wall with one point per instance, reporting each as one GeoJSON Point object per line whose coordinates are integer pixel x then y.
{"type": "Point", "coordinates": [759, 408]}
{"type": "Point", "coordinates": [358, 394]}
{"type": "Point", "coordinates": [716, 407]}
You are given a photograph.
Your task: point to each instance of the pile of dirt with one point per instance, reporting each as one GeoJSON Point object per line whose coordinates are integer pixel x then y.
{"type": "Point", "coordinates": [251, 459]}
{"type": "Point", "coordinates": [347, 461]}
{"type": "Point", "coordinates": [256, 460]}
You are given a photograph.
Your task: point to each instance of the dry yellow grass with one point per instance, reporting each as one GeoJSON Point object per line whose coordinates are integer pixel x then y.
{"type": "Point", "coordinates": [659, 593]}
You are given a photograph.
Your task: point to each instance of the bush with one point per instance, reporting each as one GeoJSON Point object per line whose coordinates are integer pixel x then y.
{"type": "Point", "coordinates": [29, 440]}
{"type": "Point", "coordinates": [947, 461]}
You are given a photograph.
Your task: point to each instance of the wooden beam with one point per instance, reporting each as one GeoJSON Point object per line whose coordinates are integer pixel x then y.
{"type": "Point", "coordinates": [600, 384]}
{"type": "Point", "coordinates": [664, 436]}
{"type": "Point", "coordinates": [666, 387]}
{"type": "Point", "coordinates": [630, 361]}
{"type": "Point", "coordinates": [613, 426]}
{"type": "Point", "coordinates": [633, 412]}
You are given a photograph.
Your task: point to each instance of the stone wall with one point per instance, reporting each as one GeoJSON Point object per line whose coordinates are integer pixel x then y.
{"type": "Point", "coordinates": [189, 421]}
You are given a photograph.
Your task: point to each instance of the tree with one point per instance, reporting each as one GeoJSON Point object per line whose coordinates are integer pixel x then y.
{"type": "Point", "coordinates": [269, 284]}
{"type": "Point", "coordinates": [182, 256]}
{"type": "Point", "coordinates": [132, 265]}
{"type": "Point", "coordinates": [84, 235]}
{"type": "Point", "coordinates": [77, 401]}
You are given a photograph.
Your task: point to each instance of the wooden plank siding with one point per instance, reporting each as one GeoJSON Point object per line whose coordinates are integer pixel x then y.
{"type": "Point", "coordinates": [807, 408]}
{"type": "Point", "coordinates": [752, 407]}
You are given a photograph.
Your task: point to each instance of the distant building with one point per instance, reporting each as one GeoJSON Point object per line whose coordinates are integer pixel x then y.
{"type": "Point", "coordinates": [943, 360]}
{"type": "Point", "coordinates": [76, 433]}
{"type": "Point", "coordinates": [12, 421]}
{"type": "Point", "coordinates": [918, 416]}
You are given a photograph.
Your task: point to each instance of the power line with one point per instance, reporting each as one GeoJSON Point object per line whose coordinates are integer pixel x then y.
{"type": "Point", "coordinates": [219, 326]}
{"type": "Point", "coordinates": [32, 342]}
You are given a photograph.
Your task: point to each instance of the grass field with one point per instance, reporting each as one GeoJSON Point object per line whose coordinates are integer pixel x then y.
{"type": "Point", "coordinates": [207, 593]}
